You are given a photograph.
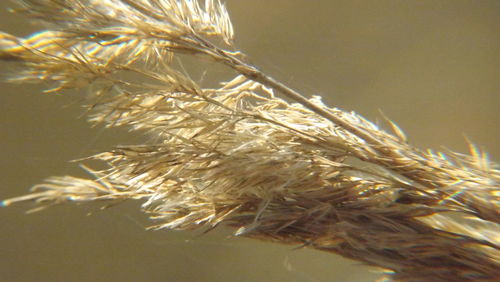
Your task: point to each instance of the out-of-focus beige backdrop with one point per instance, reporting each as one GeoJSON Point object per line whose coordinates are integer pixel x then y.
{"type": "Point", "coordinates": [431, 66]}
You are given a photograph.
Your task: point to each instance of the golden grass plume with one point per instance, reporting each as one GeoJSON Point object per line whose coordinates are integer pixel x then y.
{"type": "Point", "coordinates": [291, 172]}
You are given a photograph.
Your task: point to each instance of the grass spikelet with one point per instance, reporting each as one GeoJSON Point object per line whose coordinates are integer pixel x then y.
{"type": "Point", "coordinates": [241, 155]}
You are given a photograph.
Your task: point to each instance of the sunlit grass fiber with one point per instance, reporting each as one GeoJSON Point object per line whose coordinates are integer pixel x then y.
{"type": "Point", "coordinates": [242, 155]}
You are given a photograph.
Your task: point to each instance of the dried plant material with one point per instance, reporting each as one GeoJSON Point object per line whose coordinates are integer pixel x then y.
{"type": "Point", "coordinates": [297, 173]}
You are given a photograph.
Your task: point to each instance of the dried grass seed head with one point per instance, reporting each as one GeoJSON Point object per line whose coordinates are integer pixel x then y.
{"type": "Point", "coordinates": [241, 156]}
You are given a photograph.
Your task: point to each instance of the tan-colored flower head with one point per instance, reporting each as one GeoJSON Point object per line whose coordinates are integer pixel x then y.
{"type": "Point", "coordinates": [297, 173]}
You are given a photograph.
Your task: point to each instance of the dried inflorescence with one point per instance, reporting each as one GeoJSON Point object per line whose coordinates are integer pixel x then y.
{"type": "Point", "coordinates": [297, 173]}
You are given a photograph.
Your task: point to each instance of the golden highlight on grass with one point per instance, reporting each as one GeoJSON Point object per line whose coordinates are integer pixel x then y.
{"type": "Point", "coordinates": [297, 173]}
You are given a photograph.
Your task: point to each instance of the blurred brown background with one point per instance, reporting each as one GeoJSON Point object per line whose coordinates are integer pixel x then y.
{"type": "Point", "coordinates": [431, 66]}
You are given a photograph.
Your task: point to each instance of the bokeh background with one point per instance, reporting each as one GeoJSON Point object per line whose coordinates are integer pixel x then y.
{"type": "Point", "coordinates": [431, 66]}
